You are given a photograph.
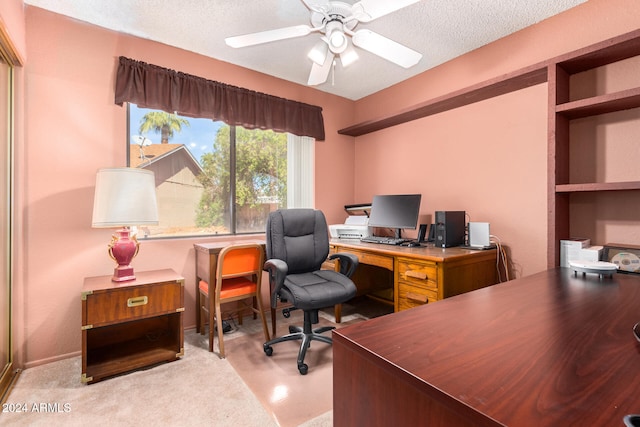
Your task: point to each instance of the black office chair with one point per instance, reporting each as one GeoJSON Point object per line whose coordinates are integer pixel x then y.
{"type": "Point", "coordinates": [297, 245]}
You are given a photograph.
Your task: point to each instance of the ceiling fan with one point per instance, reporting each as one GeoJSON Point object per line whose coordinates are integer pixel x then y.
{"type": "Point", "coordinates": [335, 20]}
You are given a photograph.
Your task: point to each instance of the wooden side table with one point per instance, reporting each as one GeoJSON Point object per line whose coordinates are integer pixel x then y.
{"type": "Point", "coordinates": [131, 325]}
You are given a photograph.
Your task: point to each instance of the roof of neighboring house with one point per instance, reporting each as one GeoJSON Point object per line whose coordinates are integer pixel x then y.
{"type": "Point", "coordinates": [141, 157]}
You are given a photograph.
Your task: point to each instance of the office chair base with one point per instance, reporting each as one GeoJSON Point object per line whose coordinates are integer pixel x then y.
{"type": "Point", "coordinates": [306, 334]}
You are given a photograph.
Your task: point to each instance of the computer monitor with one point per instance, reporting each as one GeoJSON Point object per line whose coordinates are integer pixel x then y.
{"type": "Point", "coordinates": [396, 211]}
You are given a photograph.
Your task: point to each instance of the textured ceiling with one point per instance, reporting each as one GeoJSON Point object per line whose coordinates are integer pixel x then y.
{"type": "Point", "coordinates": [439, 29]}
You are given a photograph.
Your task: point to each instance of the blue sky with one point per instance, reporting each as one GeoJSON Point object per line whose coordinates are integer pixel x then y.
{"type": "Point", "coordinates": [198, 137]}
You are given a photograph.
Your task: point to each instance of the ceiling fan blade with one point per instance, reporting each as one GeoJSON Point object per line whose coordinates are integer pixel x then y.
{"type": "Point", "coordinates": [315, 4]}
{"type": "Point", "coordinates": [319, 73]}
{"type": "Point", "coordinates": [268, 36]}
{"type": "Point", "coordinates": [386, 48]}
{"type": "Point", "coordinates": [368, 10]}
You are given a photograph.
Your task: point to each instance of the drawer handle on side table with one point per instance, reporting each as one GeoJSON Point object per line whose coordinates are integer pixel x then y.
{"type": "Point", "coordinates": [423, 299]}
{"type": "Point", "coordinates": [416, 274]}
{"type": "Point", "coordinates": [134, 302]}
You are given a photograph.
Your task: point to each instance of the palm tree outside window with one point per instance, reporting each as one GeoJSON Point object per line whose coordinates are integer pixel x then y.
{"type": "Point", "coordinates": [163, 123]}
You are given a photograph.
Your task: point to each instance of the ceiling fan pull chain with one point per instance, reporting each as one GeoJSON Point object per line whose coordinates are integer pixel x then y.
{"type": "Point", "coordinates": [333, 73]}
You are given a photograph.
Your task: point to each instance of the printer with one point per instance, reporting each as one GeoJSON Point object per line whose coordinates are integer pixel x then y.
{"type": "Point", "coordinates": [356, 226]}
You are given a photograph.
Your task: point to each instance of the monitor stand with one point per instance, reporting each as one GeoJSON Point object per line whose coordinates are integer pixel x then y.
{"type": "Point", "coordinates": [398, 233]}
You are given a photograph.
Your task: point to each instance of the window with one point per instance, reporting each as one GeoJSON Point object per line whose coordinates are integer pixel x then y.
{"type": "Point", "coordinates": [212, 178]}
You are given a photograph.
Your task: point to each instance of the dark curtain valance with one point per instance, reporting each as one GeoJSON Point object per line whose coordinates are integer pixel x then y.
{"type": "Point", "coordinates": [150, 86]}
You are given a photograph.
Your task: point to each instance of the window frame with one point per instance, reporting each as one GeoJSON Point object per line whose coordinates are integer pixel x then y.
{"type": "Point", "coordinates": [300, 167]}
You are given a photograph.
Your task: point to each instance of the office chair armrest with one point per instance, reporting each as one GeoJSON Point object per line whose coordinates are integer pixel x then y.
{"type": "Point", "coordinates": [348, 262]}
{"type": "Point", "coordinates": [277, 270]}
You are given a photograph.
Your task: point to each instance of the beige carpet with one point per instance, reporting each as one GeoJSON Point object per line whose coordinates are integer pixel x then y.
{"type": "Point", "coordinates": [198, 390]}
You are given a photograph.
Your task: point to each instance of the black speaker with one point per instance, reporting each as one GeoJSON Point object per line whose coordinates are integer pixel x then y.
{"type": "Point", "coordinates": [449, 228]}
{"type": "Point", "coordinates": [432, 233]}
{"type": "Point", "coordinates": [422, 233]}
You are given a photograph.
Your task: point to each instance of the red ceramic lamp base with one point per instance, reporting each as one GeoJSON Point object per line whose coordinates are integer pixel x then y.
{"type": "Point", "coordinates": [123, 274]}
{"type": "Point", "coordinates": [122, 249]}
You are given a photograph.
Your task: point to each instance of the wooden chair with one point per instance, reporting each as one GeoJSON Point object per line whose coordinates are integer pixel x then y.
{"type": "Point", "coordinates": [238, 277]}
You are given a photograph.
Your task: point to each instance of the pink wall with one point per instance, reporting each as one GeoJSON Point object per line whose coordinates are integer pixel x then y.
{"type": "Point", "coordinates": [489, 158]}
{"type": "Point", "coordinates": [74, 128]}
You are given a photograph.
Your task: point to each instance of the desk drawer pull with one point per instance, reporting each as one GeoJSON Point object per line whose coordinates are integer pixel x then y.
{"type": "Point", "coordinates": [134, 302]}
{"type": "Point", "coordinates": [416, 274]}
{"type": "Point", "coordinates": [417, 297]}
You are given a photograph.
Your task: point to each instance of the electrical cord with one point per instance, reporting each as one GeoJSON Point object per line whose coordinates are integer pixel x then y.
{"type": "Point", "coordinates": [502, 256]}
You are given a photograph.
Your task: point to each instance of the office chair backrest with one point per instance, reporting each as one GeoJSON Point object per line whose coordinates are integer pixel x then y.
{"type": "Point", "coordinates": [299, 237]}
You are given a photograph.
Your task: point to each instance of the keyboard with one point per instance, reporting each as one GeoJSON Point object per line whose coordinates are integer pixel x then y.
{"type": "Point", "coordinates": [383, 240]}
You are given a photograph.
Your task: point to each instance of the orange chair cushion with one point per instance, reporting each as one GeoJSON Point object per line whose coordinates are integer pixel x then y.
{"type": "Point", "coordinates": [231, 288]}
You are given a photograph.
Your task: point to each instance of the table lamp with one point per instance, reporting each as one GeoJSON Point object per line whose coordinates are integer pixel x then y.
{"type": "Point", "coordinates": [124, 197]}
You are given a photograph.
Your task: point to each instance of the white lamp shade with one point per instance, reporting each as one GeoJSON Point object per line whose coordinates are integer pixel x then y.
{"type": "Point", "coordinates": [124, 197]}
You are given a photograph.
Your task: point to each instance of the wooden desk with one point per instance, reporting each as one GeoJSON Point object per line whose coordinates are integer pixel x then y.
{"type": "Point", "coordinates": [421, 274]}
{"type": "Point", "coordinates": [550, 349]}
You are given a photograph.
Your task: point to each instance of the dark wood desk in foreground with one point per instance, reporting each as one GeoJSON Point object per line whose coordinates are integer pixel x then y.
{"type": "Point", "coordinates": [550, 349]}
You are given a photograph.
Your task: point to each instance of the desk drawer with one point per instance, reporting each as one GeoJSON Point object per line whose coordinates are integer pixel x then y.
{"type": "Point", "coordinates": [418, 273]}
{"type": "Point", "coordinates": [369, 258]}
{"type": "Point", "coordinates": [128, 303]}
{"type": "Point", "coordinates": [414, 296]}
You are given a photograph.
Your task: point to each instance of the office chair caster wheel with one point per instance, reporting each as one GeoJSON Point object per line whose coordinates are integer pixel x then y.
{"type": "Point", "coordinates": [303, 369]}
{"type": "Point", "coordinates": [268, 350]}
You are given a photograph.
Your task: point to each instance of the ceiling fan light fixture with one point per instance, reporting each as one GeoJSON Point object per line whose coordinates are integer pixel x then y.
{"type": "Point", "coordinates": [319, 52]}
{"type": "Point", "coordinates": [336, 37]}
{"type": "Point", "coordinates": [338, 41]}
{"type": "Point", "coordinates": [336, 20]}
